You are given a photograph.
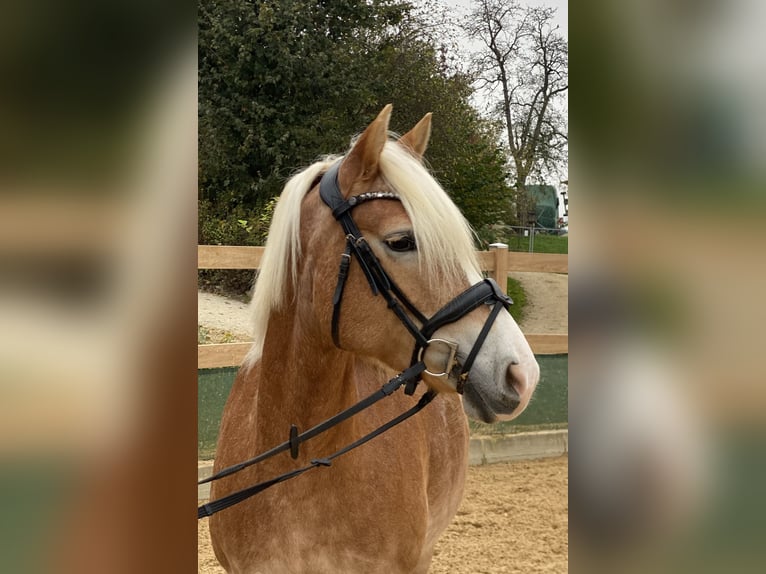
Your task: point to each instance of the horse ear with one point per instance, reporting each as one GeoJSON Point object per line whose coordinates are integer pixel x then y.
{"type": "Point", "coordinates": [416, 140]}
{"type": "Point", "coordinates": [362, 161]}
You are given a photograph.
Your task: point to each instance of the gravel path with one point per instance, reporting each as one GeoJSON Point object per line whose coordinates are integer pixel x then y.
{"type": "Point", "coordinates": [225, 314]}
{"type": "Point", "coordinates": [547, 309]}
{"type": "Point", "coordinates": [513, 520]}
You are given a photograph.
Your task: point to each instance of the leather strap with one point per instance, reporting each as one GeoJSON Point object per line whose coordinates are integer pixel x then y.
{"type": "Point", "coordinates": [337, 298]}
{"type": "Point", "coordinates": [222, 503]}
{"type": "Point", "coordinates": [467, 301]}
{"type": "Point", "coordinates": [356, 244]}
{"type": "Point", "coordinates": [465, 371]}
{"type": "Point", "coordinates": [389, 388]}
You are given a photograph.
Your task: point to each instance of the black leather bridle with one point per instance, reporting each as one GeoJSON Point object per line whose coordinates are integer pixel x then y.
{"type": "Point", "coordinates": [484, 292]}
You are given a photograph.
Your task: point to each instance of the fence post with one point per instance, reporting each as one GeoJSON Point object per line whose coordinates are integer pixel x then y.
{"type": "Point", "coordinates": [500, 274]}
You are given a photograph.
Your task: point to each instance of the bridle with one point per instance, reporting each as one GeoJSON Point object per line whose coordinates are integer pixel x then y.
{"type": "Point", "coordinates": [486, 291]}
{"type": "Point", "coordinates": [483, 292]}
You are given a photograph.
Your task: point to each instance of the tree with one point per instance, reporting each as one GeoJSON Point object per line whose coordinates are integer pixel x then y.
{"type": "Point", "coordinates": [283, 81]}
{"type": "Point", "coordinates": [277, 86]}
{"type": "Point", "coordinates": [463, 153]}
{"type": "Point", "coordinates": [523, 66]}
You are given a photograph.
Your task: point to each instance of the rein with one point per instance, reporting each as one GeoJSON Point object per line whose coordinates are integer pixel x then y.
{"type": "Point", "coordinates": [296, 439]}
{"type": "Point", "coordinates": [484, 292]}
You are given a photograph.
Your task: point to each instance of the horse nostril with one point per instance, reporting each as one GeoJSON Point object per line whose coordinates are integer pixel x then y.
{"type": "Point", "coordinates": [517, 381]}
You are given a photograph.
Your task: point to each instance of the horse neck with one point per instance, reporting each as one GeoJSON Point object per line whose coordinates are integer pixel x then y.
{"type": "Point", "coordinates": [301, 378]}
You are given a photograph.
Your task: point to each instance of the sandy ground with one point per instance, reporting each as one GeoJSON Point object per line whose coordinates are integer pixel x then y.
{"type": "Point", "coordinates": [546, 310]}
{"type": "Point", "coordinates": [513, 520]}
{"type": "Point", "coordinates": [225, 314]}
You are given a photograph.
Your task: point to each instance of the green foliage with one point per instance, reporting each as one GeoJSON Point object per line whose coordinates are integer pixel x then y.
{"type": "Point", "coordinates": [463, 153]}
{"type": "Point", "coordinates": [240, 226]}
{"type": "Point", "coordinates": [278, 86]}
{"type": "Point", "coordinates": [264, 219]}
{"type": "Point", "coordinates": [282, 82]}
{"type": "Point", "coordinates": [519, 296]}
{"type": "Point", "coordinates": [211, 335]}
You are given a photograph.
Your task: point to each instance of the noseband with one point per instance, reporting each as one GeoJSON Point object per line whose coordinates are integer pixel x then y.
{"type": "Point", "coordinates": [484, 292]}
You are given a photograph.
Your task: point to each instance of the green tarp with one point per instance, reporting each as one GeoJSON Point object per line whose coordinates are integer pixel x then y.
{"type": "Point", "coordinates": [546, 205]}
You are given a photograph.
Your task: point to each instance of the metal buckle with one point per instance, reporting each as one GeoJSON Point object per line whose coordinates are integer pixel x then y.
{"type": "Point", "coordinates": [451, 358]}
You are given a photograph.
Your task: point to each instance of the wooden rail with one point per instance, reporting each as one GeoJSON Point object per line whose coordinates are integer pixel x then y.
{"type": "Point", "coordinates": [498, 262]}
{"type": "Point", "coordinates": [243, 257]}
{"type": "Point", "coordinates": [228, 257]}
{"type": "Point", "coordinates": [514, 261]}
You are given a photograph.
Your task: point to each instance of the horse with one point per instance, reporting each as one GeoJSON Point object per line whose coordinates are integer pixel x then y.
{"type": "Point", "coordinates": [382, 507]}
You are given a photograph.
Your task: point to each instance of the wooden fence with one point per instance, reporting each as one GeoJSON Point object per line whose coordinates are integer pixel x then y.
{"type": "Point", "coordinates": [497, 262]}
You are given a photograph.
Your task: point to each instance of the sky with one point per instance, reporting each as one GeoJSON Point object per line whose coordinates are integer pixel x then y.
{"type": "Point", "coordinates": [462, 7]}
{"type": "Point", "coordinates": [561, 13]}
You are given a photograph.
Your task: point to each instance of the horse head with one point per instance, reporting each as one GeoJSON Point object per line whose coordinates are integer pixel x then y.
{"type": "Point", "coordinates": [390, 206]}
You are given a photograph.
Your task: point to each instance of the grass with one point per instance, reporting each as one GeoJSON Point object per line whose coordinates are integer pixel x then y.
{"type": "Point", "coordinates": [519, 296]}
{"type": "Point", "coordinates": [211, 335]}
{"type": "Point", "coordinates": [543, 243]}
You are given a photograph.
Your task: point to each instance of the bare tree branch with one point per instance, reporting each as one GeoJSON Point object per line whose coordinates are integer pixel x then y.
{"type": "Point", "coordinates": [524, 56]}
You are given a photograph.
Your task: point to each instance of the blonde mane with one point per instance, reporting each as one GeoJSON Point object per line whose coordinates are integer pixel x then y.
{"type": "Point", "coordinates": [443, 236]}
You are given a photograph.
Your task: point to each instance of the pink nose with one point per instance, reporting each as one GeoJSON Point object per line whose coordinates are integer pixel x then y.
{"type": "Point", "coordinates": [519, 380]}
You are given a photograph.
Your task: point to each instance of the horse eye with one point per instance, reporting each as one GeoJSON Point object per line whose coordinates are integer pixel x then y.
{"type": "Point", "coordinates": [404, 243]}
